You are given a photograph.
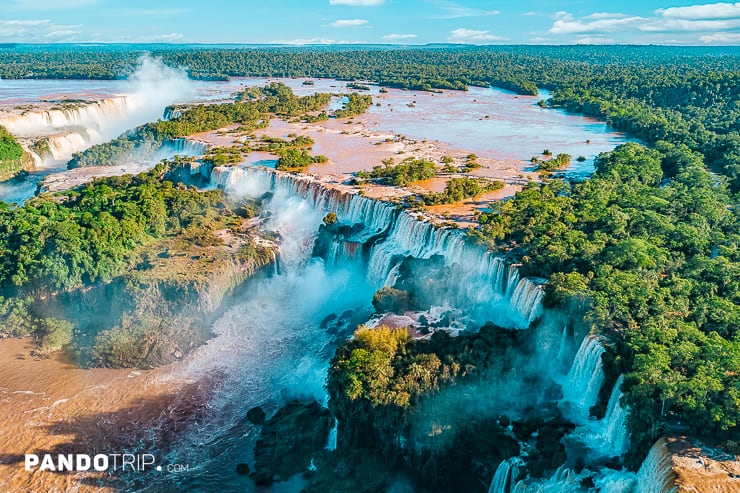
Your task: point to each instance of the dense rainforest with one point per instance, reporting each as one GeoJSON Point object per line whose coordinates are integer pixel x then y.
{"type": "Point", "coordinates": [647, 251]}
{"type": "Point", "coordinates": [107, 271]}
{"type": "Point", "coordinates": [682, 95]}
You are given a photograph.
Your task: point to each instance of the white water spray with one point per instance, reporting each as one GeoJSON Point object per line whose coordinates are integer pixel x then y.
{"type": "Point", "coordinates": [583, 383]}
{"type": "Point", "coordinates": [488, 286]}
{"type": "Point", "coordinates": [73, 127]}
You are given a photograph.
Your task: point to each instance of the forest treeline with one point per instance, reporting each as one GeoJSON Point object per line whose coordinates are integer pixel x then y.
{"type": "Point", "coordinates": [682, 95]}
{"type": "Point", "coordinates": [648, 249]}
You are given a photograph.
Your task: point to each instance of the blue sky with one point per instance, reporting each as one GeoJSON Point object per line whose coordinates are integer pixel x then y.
{"type": "Point", "coordinates": [371, 21]}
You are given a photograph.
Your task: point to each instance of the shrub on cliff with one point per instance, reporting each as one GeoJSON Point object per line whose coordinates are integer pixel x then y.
{"type": "Point", "coordinates": [409, 170]}
{"type": "Point", "coordinates": [54, 335]}
{"type": "Point", "coordinates": [12, 159]}
{"type": "Point", "coordinates": [389, 299]}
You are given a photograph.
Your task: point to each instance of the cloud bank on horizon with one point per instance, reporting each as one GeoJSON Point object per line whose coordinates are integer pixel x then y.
{"type": "Point", "coordinates": [299, 22]}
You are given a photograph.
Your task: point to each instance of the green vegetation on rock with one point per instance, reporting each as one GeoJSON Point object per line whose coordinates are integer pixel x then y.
{"type": "Point", "coordinates": [136, 263]}
{"type": "Point", "coordinates": [458, 189]}
{"type": "Point", "coordinates": [409, 170]}
{"type": "Point", "coordinates": [13, 159]}
{"type": "Point", "coordinates": [386, 389]}
{"type": "Point", "coordinates": [357, 104]}
{"type": "Point", "coordinates": [252, 110]}
{"type": "Point", "coordinates": [559, 161]}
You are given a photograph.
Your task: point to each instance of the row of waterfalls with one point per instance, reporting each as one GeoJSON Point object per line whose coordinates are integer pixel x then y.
{"type": "Point", "coordinates": [488, 287]}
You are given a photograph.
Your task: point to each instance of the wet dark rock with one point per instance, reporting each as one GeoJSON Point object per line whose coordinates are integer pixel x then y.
{"type": "Point", "coordinates": [290, 439]}
{"type": "Point", "coordinates": [328, 320]}
{"type": "Point", "coordinates": [263, 477]}
{"type": "Point", "coordinates": [256, 416]}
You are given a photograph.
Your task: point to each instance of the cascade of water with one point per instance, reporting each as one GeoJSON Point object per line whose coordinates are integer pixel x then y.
{"type": "Point", "coordinates": [506, 474]}
{"type": "Point", "coordinates": [656, 474]}
{"type": "Point", "coordinates": [179, 147]}
{"type": "Point", "coordinates": [611, 481]}
{"type": "Point", "coordinates": [483, 280]}
{"type": "Point", "coordinates": [586, 376]}
{"type": "Point", "coordinates": [563, 346]}
{"type": "Point", "coordinates": [72, 129]}
{"type": "Point", "coordinates": [331, 442]}
{"type": "Point", "coordinates": [269, 344]}
{"type": "Point", "coordinates": [97, 115]}
{"type": "Point", "coordinates": [615, 430]}
{"type": "Point", "coordinates": [527, 298]}
{"type": "Point", "coordinates": [563, 481]}
{"type": "Point", "coordinates": [171, 113]}
{"type": "Point", "coordinates": [185, 147]}
{"type": "Point", "coordinates": [62, 146]}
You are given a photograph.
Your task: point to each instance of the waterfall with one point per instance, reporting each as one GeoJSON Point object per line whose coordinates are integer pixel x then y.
{"type": "Point", "coordinates": [96, 114]}
{"type": "Point", "coordinates": [62, 146]}
{"type": "Point", "coordinates": [505, 475]}
{"type": "Point", "coordinates": [611, 481]}
{"type": "Point", "coordinates": [58, 133]}
{"type": "Point", "coordinates": [171, 112]}
{"type": "Point", "coordinates": [615, 430]}
{"type": "Point", "coordinates": [563, 345]}
{"type": "Point", "coordinates": [586, 375]}
{"type": "Point", "coordinates": [179, 147]}
{"type": "Point", "coordinates": [563, 481]}
{"type": "Point", "coordinates": [483, 281]}
{"type": "Point", "coordinates": [656, 474]}
{"type": "Point", "coordinates": [331, 442]}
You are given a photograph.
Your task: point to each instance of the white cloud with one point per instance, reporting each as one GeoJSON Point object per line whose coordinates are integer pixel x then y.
{"type": "Point", "coordinates": [595, 40]}
{"type": "Point", "coordinates": [314, 41]}
{"type": "Point", "coordinates": [349, 23]}
{"type": "Point", "coordinates": [34, 31]}
{"type": "Point", "coordinates": [48, 4]}
{"type": "Point", "coordinates": [706, 19]}
{"type": "Point", "coordinates": [706, 11]}
{"type": "Point", "coordinates": [399, 36]}
{"type": "Point", "coordinates": [606, 15]}
{"type": "Point", "coordinates": [670, 25]}
{"type": "Point", "coordinates": [168, 38]}
{"type": "Point", "coordinates": [602, 23]}
{"type": "Point", "coordinates": [357, 3]}
{"type": "Point", "coordinates": [531, 13]}
{"type": "Point", "coordinates": [721, 38]}
{"type": "Point", "coordinates": [463, 35]}
{"type": "Point", "coordinates": [25, 23]}
{"type": "Point", "coordinates": [458, 12]}
{"type": "Point", "coordinates": [100, 37]}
